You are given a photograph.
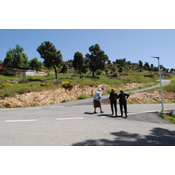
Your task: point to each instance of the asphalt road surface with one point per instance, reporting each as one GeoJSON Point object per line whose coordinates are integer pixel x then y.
{"type": "Point", "coordinates": [58, 125]}
{"type": "Point", "coordinates": [75, 124]}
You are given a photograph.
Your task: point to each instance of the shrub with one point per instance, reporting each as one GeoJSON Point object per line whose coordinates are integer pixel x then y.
{"type": "Point", "coordinates": [82, 96]}
{"type": "Point", "coordinates": [63, 101]}
{"type": "Point", "coordinates": [98, 72]}
{"type": "Point", "coordinates": [151, 76]}
{"type": "Point", "coordinates": [67, 84]}
{"type": "Point", "coordinates": [6, 84]}
{"type": "Point", "coordinates": [107, 71]}
{"type": "Point", "coordinates": [8, 94]}
{"type": "Point", "coordinates": [120, 69]}
{"type": "Point", "coordinates": [82, 76]}
{"type": "Point", "coordinates": [92, 85]}
{"type": "Point", "coordinates": [115, 74]}
{"type": "Point", "coordinates": [43, 84]}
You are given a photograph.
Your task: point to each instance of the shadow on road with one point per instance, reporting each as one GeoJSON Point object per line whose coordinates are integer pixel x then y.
{"type": "Point", "coordinates": [111, 116]}
{"type": "Point", "coordinates": [105, 115]}
{"type": "Point", "coordinates": [89, 113]}
{"type": "Point", "coordinates": [158, 137]}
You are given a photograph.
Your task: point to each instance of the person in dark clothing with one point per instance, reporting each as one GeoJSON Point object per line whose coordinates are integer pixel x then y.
{"type": "Point", "coordinates": [113, 101]}
{"type": "Point", "coordinates": [122, 100]}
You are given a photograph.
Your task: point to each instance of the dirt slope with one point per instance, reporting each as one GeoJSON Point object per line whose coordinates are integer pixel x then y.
{"type": "Point", "coordinates": [46, 97]}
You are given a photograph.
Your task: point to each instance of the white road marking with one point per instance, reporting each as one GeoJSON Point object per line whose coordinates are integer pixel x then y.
{"type": "Point", "coordinates": [31, 120]}
{"type": "Point", "coordinates": [77, 118]}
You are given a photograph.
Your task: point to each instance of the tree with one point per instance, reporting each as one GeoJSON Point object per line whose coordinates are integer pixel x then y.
{"type": "Point", "coordinates": [52, 57]}
{"type": "Point", "coordinates": [164, 69]}
{"type": "Point", "coordinates": [97, 58]}
{"type": "Point", "coordinates": [69, 63]}
{"type": "Point", "coordinates": [152, 66]}
{"type": "Point", "coordinates": [172, 70]}
{"type": "Point", "coordinates": [140, 64]}
{"type": "Point", "coordinates": [15, 57]}
{"type": "Point", "coordinates": [120, 69]}
{"type": "Point", "coordinates": [85, 67]}
{"type": "Point", "coordinates": [113, 68]}
{"type": "Point", "coordinates": [109, 64]}
{"type": "Point", "coordinates": [35, 64]}
{"type": "Point", "coordinates": [78, 61]}
{"type": "Point", "coordinates": [155, 68]}
{"type": "Point", "coordinates": [64, 68]}
{"type": "Point", "coordinates": [146, 66]}
{"type": "Point", "coordinates": [128, 63]}
{"type": "Point", "coordinates": [161, 67]}
{"type": "Point", "coordinates": [0, 61]}
{"type": "Point", "coordinates": [121, 62]}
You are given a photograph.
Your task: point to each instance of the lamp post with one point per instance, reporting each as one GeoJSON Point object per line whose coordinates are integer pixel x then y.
{"type": "Point", "coordinates": [160, 83]}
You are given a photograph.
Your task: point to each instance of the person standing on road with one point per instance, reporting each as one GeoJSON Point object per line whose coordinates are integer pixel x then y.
{"type": "Point", "coordinates": [122, 100]}
{"type": "Point", "coordinates": [98, 101]}
{"type": "Point", "coordinates": [113, 101]}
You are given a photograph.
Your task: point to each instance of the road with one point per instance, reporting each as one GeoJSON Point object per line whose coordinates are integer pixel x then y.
{"type": "Point", "coordinates": [75, 124]}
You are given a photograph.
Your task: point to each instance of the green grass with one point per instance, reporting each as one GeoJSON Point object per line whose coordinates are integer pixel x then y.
{"type": "Point", "coordinates": [171, 87]}
{"type": "Point", "coordinates": [82, 96]}
{"type": "Point", "coordinates": [34, 82]}
{"type": "Point", "coordinates": [167, 116]}
{"type": "Point", "coordinates": [64, 101]}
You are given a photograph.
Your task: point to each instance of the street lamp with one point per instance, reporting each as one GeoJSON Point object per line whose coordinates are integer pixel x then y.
{"type": "Point", "coordinates": [160, 83]}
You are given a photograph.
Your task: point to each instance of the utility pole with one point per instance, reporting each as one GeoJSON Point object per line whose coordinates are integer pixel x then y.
{"type": "Point", "coordinates": [160, 83]}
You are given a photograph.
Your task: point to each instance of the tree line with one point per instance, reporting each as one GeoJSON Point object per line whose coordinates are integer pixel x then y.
{"type": "Point", "coordinates": [95, 61]}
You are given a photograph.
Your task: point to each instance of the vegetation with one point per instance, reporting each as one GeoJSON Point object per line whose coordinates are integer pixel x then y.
{"type": "Point", "coordinates": [94, 69]}
{"type": "Point", "coordinates": [167, 116]}
{"type": "Point", "coordinates": [64, 68]}
{"type": "Point", "coordinates": [168, 88]}
{"type": "Point", "coordinates": [15, 57]}
{"type": "Point", "coordinates": [171, 87]}
{"type": "Point", "coordinates": [67, 84]}
{"type": "Point", "coordinates": [29, 83]}
{"type": "Point", "coordinates": [97, 59]}
{"type": "Point", "coordinates": [6, 84]}
{"type": "Point", "coordinates": [82, 96]}
{"type": "Point", "coordinates": [78, 62]}
{"type": "Point", "coordinates": [52, 57]}
{"type": "Point", "coordinates": [35, 64]}
{"type": "Point", "coordinates": [97, 62]}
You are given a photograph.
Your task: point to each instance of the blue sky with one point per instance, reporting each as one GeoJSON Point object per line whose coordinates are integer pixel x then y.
{"type": "Point", "coordinates": [132, 44]}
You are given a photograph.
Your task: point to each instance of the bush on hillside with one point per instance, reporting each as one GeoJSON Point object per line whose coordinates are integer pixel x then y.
{"type": "Point", "coordinates": [99, 72]}
{"type": "Point", "coordinates": [115, 75]}
{"type": "Point", "coordinates": [67, 84]}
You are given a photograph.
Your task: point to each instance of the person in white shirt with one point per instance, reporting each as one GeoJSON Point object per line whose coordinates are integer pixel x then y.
{"type": "Point", "coordinates": [98, 101]}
